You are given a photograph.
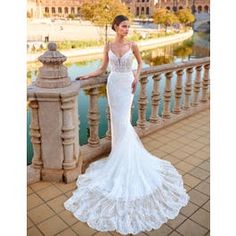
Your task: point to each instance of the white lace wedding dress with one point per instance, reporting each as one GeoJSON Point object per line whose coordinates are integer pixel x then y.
{"type": "Point", "coordinates": [130, 190]}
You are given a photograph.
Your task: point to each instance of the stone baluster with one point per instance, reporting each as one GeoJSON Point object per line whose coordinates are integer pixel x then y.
{"type": "Point", "coordinates": [154, 118]}
{"type": "Point", "coordinates": [178, 92]}
{"type": "Point", "coordinates": [167, 97]}
{"type": "Point", "coordinates": [205, 83]}
{"type": "Point", "coordinates": [142, 102]}
{"type": "Point", "coordinates": [68, 132]}
{"type": "Point", "coordinates": [35, 134]}
{"type": "Point", "coordinates": [93, 117]}
{"type": "Point", "coordinates": [188, 88]}
{"type": "Point", "coordinates": [108, 133]}
{"type": "Point", "coordinates": [197, 86]}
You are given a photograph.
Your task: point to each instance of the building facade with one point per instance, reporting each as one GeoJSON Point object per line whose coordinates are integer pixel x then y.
{"type": "Point", "coordinates": [63, 8]}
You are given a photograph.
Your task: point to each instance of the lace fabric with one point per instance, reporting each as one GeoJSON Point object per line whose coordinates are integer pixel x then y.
{"type": "Point", "coordinates": [130, 190]}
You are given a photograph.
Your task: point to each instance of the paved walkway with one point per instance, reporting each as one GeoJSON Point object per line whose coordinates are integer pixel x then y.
{"type": "Point", "coordinates": [185, 144]}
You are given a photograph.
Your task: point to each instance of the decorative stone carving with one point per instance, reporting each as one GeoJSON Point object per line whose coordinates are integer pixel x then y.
{"type": "Point", "coordinates": [197, 86]}
{"type": "Point", "coordinates": [178, 92]}
{"type": "Point", "coordinates": [93, 117]}
{"type": "Point", "coordinates": [142, 102]}
{"type": "Point", "coordinates": [53, 74]}
{"type": "Point", "coordinates": [167, 96]}
{"type": "Point", "coordinates": [154, 118]}
{"type": "Point", "coordinates": [188, 88]}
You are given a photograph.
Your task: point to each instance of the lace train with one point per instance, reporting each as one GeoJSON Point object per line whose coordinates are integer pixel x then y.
{"type": "Point", "coordinates": [93, 205]}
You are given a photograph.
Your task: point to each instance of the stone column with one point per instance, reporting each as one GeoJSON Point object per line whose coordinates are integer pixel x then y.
{"type": "Point", "coordinates": [167, 96]}
{"type": "Point", "coordinates": [178, 92]}
{"type": "Point", "coordinates": [55, 99]}
{"type": "Point", "coordinates": [37, 162]}
{"type": "Point", "coordinates": [205, 83]}
{"type": "Point", "coordinates": [142, 102]}
{"type": "Point", "coordinates": [188, 88]}
{"type": "Point", "coordinates": [197, 86]}
{"type": "Point", "coordinates": [154, 118]}
{"type": "Point", "coordinates": [93, 118]}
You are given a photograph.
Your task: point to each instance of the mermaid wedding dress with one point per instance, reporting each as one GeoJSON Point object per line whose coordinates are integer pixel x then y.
{"type": "Point", "coordinates": [130, 190]}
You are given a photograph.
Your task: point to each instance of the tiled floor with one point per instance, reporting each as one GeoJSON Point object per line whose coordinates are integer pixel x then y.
{"type": "Point", "coordinates": [185, 144]}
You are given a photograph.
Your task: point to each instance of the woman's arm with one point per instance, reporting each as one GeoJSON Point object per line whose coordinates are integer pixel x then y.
{"type": "Point", "coordinates": [101, 69]}
{"type": "Point", "coordinates": [138, 71]}
{"type": "Point", "coordinates": [139, 60]}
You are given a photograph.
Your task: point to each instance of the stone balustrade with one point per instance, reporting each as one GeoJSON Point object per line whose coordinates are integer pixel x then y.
{"type": "Point", "coordinates": [55, 120]}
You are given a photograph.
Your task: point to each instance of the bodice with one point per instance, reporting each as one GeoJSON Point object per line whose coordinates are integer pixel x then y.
{"type": "Point", "coordinates": [121, 64]}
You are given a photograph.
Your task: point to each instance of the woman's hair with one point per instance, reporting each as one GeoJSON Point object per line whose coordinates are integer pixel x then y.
{"type": "Point", "coordinates": [117, 20]}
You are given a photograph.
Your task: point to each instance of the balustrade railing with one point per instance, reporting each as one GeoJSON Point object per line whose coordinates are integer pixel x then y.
{"type": "Point", "coordinates": [55, 119]}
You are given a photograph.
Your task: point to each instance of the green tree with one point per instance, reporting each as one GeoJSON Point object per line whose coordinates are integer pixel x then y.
{"type": "Point", "coordinates": [165, 17]}
{"type": "Point", "coordinates": [102, 12]}
{"type": "Point", "coordinates": [185, 16]}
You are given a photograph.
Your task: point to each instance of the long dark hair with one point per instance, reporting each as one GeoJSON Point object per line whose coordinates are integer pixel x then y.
{"type": "Point", "coordinates": [117, 20]}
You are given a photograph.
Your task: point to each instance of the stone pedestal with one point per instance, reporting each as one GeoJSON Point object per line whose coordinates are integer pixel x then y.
{"type": "Point", "coordinates": [54, 127]}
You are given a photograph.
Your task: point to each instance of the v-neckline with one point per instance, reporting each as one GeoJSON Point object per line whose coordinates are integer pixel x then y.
{"type": "Point", "coordinates": [122, 55]}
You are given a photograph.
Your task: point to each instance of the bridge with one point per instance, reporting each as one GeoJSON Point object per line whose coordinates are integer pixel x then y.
{"type": "Point", "coordinates": [202, 22]}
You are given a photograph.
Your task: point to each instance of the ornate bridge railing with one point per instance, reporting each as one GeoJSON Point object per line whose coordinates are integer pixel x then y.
{"type": "Point", "coordinates": [53, 99]}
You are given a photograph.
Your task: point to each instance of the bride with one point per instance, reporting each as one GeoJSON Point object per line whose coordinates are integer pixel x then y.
{"type": "Point", "coordinates": [130, 190]}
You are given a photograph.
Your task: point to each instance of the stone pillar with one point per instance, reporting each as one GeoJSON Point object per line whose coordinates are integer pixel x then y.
{"type": "Point", "coordinates": [53, 100]}
{"type": "Point", "coordinates": [188, 88]}
{"type": "Point", "coordinates": [178, 92]}
{"type": "Point", "coordinates": [167, 96]}
{"type": "Point", "coordinates": [142, 102]}
{"type": "Point", "coordinates": [154, 118]}
{"type": "Point", "coordinates": [93, 118]}
{"type": "Point", "coordinates": [205, 83]}
{"type": "Point", "coordinates": [37, 162]}
{"type": "Point", "coordinates": [197, 86]}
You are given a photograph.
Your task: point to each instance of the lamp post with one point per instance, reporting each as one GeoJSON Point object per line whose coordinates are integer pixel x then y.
{"type": "Point", "coordinates": [106, 9]}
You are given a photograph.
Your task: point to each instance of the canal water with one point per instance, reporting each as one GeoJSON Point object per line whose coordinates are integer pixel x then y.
{"type": "Point", "coordinates": [198, 46]}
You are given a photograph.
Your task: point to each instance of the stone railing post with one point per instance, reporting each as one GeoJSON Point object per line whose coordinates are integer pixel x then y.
{"type": "Point", "coordinates": [108, 133]}
{"type": "Point", "coordinates": [205, 83]}
{"type": "Point", "coordinates": [188, 88]}
{"type": "Point", "coordinates": [93, 118]}
{"type": "Point", "coordinates": [178, 92]}
{"type": "Point", "coordinates": [154, 118]}
{"type": "Point", "coordinates": [167, 96]}
{"type": "Point", "coordinates": [37, 162]}
{"type": "Point", "coordinates": [197, 86]}
{"type": "Point", "coordinates": [142, 102]}
{"type": "Point", "coordinates": [54, 127]}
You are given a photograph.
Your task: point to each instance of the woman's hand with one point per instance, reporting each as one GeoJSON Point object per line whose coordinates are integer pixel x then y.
{"type": "Point", "coordinates": [83, 77]}
{"type": "Point", "coordinates": [134, 84]}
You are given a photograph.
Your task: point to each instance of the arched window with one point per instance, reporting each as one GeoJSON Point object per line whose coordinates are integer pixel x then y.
{"type": "Point", "coordinates": [199, 9]}
{"type": "Point", "coordinates": [147, 11]}
{"type": "Point", "coordinates": [66, 10]}
{"type": "Point", "coordinates": [137, 11]}
{"type": "Point", "coordinates": [72, 10]}
{"type": "Point", "coordinates": [206, 9]}
{"type": "Point", "coordinates": [78, 10]}
{"type": "Point", "coordinates": [180, 8]}
{"type": "Point", "coordinates": [53, 10]}
{"type": "Point", "coordinates": [59, 10]}
{"type": "Point", "coordinates": [46, 10]}
{"type": "Point", "coordinates": [168, 8]}
{"type": "Point", "coordinates": [142, 10]}
{"type": "Point", "coordinates": [174, 8]}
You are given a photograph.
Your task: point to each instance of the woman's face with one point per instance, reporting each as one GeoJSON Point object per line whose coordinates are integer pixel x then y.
{"type": "Point", "coordinates": [123, 28]}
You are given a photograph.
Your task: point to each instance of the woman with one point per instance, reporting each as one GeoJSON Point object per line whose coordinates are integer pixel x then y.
{"type": "Point", "coordinates": [131, 190]}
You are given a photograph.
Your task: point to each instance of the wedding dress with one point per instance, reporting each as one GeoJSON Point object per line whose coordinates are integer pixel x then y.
{"type": "Point", "coordinates": [130, 190]}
